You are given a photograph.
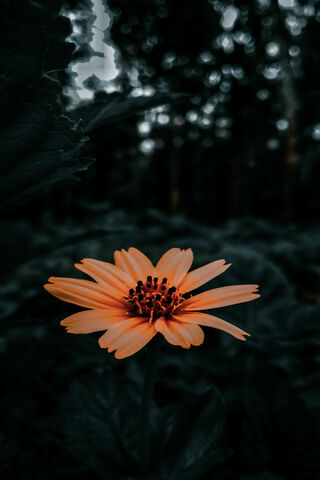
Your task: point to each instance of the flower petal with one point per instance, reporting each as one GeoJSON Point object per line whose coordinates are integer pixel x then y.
{"type": "Point", "coordinates": [115, 333]}
{"type": "Point", "coordinates": [179, 333]}
{"type": "Point", "coordinates": [204, 319]}
{"type": "Point", "coordinates": [145, 265]}
{"type": "Point", "coordinates": [193, 334]}
{"type": "Point", "coordinates": [90, 321]}
{"type": "Point", "coordinates": [163, 326]}
{"type": "Point", "coordinates": [116, 292]}
{"type": "Point", "coordinates": [165, 261]}
{"type": "Point", "coordinates": [106, 273]}
{"type": "Point", "coordinates": [202, 275]}
{"type": "Point", "coordinates": [120, 262]}
{"type": "Point", "coordinates": [141, 335]}
{"type": "Point", "coordinates": [82, 292]}
{"type": "Point", "coordinates": [136, 263]}
{"type": "Point", "coordinates": [174, 265]}
{"type": "Point", "coordinates": [128, 337]}
{"type": "Point", "coordinates": [220, 297]}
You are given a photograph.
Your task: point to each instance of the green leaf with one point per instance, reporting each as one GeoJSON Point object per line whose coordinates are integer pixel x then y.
{"type": "Point", "coordinates": [110, 108]}
{"type": "Point", "coordinates": [39, 145]}
{"type": "Point", "coordinates": [100, 422]}
{"type": "Point", "coordinates": [191, 436]}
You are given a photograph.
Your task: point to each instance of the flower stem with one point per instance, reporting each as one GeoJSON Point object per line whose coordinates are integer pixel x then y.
{"type": "Point", "coordinates": [148, 386]}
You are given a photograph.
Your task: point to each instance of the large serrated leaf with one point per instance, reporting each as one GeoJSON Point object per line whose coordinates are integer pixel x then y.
{"type": "Point", "coordinates": [191, 437]}
{"type": "Point", "coordinates": [100, 424]}
{"type": "Point", "coordinates": [39, 145]}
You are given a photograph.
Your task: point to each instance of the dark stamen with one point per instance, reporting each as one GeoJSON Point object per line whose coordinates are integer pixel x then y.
{"type": "Point", "coordinates": [171, 290]}
{"type": "Point", "coordinates": [151, 300]}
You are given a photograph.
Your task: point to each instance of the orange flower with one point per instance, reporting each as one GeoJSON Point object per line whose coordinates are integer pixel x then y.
{"type": "Point", "coordinates": [133, 300]}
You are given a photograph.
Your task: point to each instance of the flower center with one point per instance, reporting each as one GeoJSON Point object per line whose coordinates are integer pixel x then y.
{"type": "Point", "coordinates": [153, 299]}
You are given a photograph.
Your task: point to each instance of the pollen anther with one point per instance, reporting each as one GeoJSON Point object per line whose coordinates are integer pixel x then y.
{"type": "Point", "coordinates": [152, 300]}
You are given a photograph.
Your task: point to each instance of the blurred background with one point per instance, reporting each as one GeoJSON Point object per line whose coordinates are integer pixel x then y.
{"type": "Point", "coordinates": [159, 124]}
{"type": "Point", "coordinates": [246, 138]}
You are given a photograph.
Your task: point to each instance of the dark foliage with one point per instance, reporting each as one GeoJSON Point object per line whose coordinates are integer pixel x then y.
{"type": "Point", "coordinates": [39, 145]}
{"type": "Point", "coordinates": [226, 409]}
{"type": "Point", "coordinates": [106, 108]}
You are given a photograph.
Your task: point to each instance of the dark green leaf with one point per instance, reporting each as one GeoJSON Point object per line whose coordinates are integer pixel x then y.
{"type": "Point", "coordinates": [106, 109]}
{"type": "Point", "coordinates": [39, 145]}
{"type": "Point", "coordinates": [271, 429]}
{"type": "Point", "coordinates": [101, 431]}
{"type": "Point", "coordinates": [191, 436]}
